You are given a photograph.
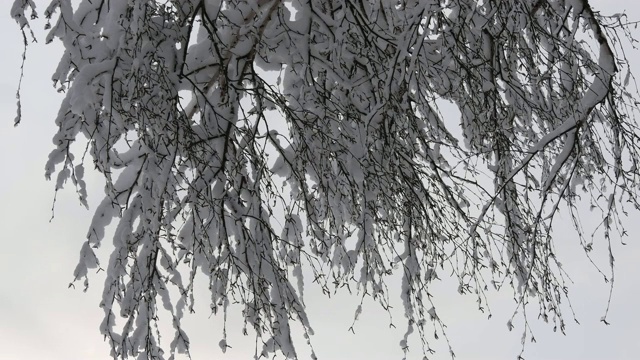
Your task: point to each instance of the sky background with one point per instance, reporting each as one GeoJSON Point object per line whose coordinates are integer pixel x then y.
{"type": "Point", "coordinates": [41, 318]}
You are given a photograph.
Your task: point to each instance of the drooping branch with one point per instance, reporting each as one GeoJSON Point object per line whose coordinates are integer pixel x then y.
{"type": "Point", "coordinates": [175, 102]}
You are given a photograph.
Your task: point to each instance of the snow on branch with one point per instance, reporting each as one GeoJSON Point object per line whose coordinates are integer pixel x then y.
{"type": "Point", "coordinates": [343, 165]}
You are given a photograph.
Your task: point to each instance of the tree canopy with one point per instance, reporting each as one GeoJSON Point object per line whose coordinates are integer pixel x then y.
{"type": "Point", "coordinates": [257, 141]}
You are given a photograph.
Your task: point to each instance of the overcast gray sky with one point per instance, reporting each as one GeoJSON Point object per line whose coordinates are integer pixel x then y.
{"type": "Point", "coordinates": [40, 318]}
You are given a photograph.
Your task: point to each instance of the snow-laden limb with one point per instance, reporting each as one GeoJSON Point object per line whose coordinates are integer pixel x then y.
{"type": "Point", "coordinates": [180, 118]}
